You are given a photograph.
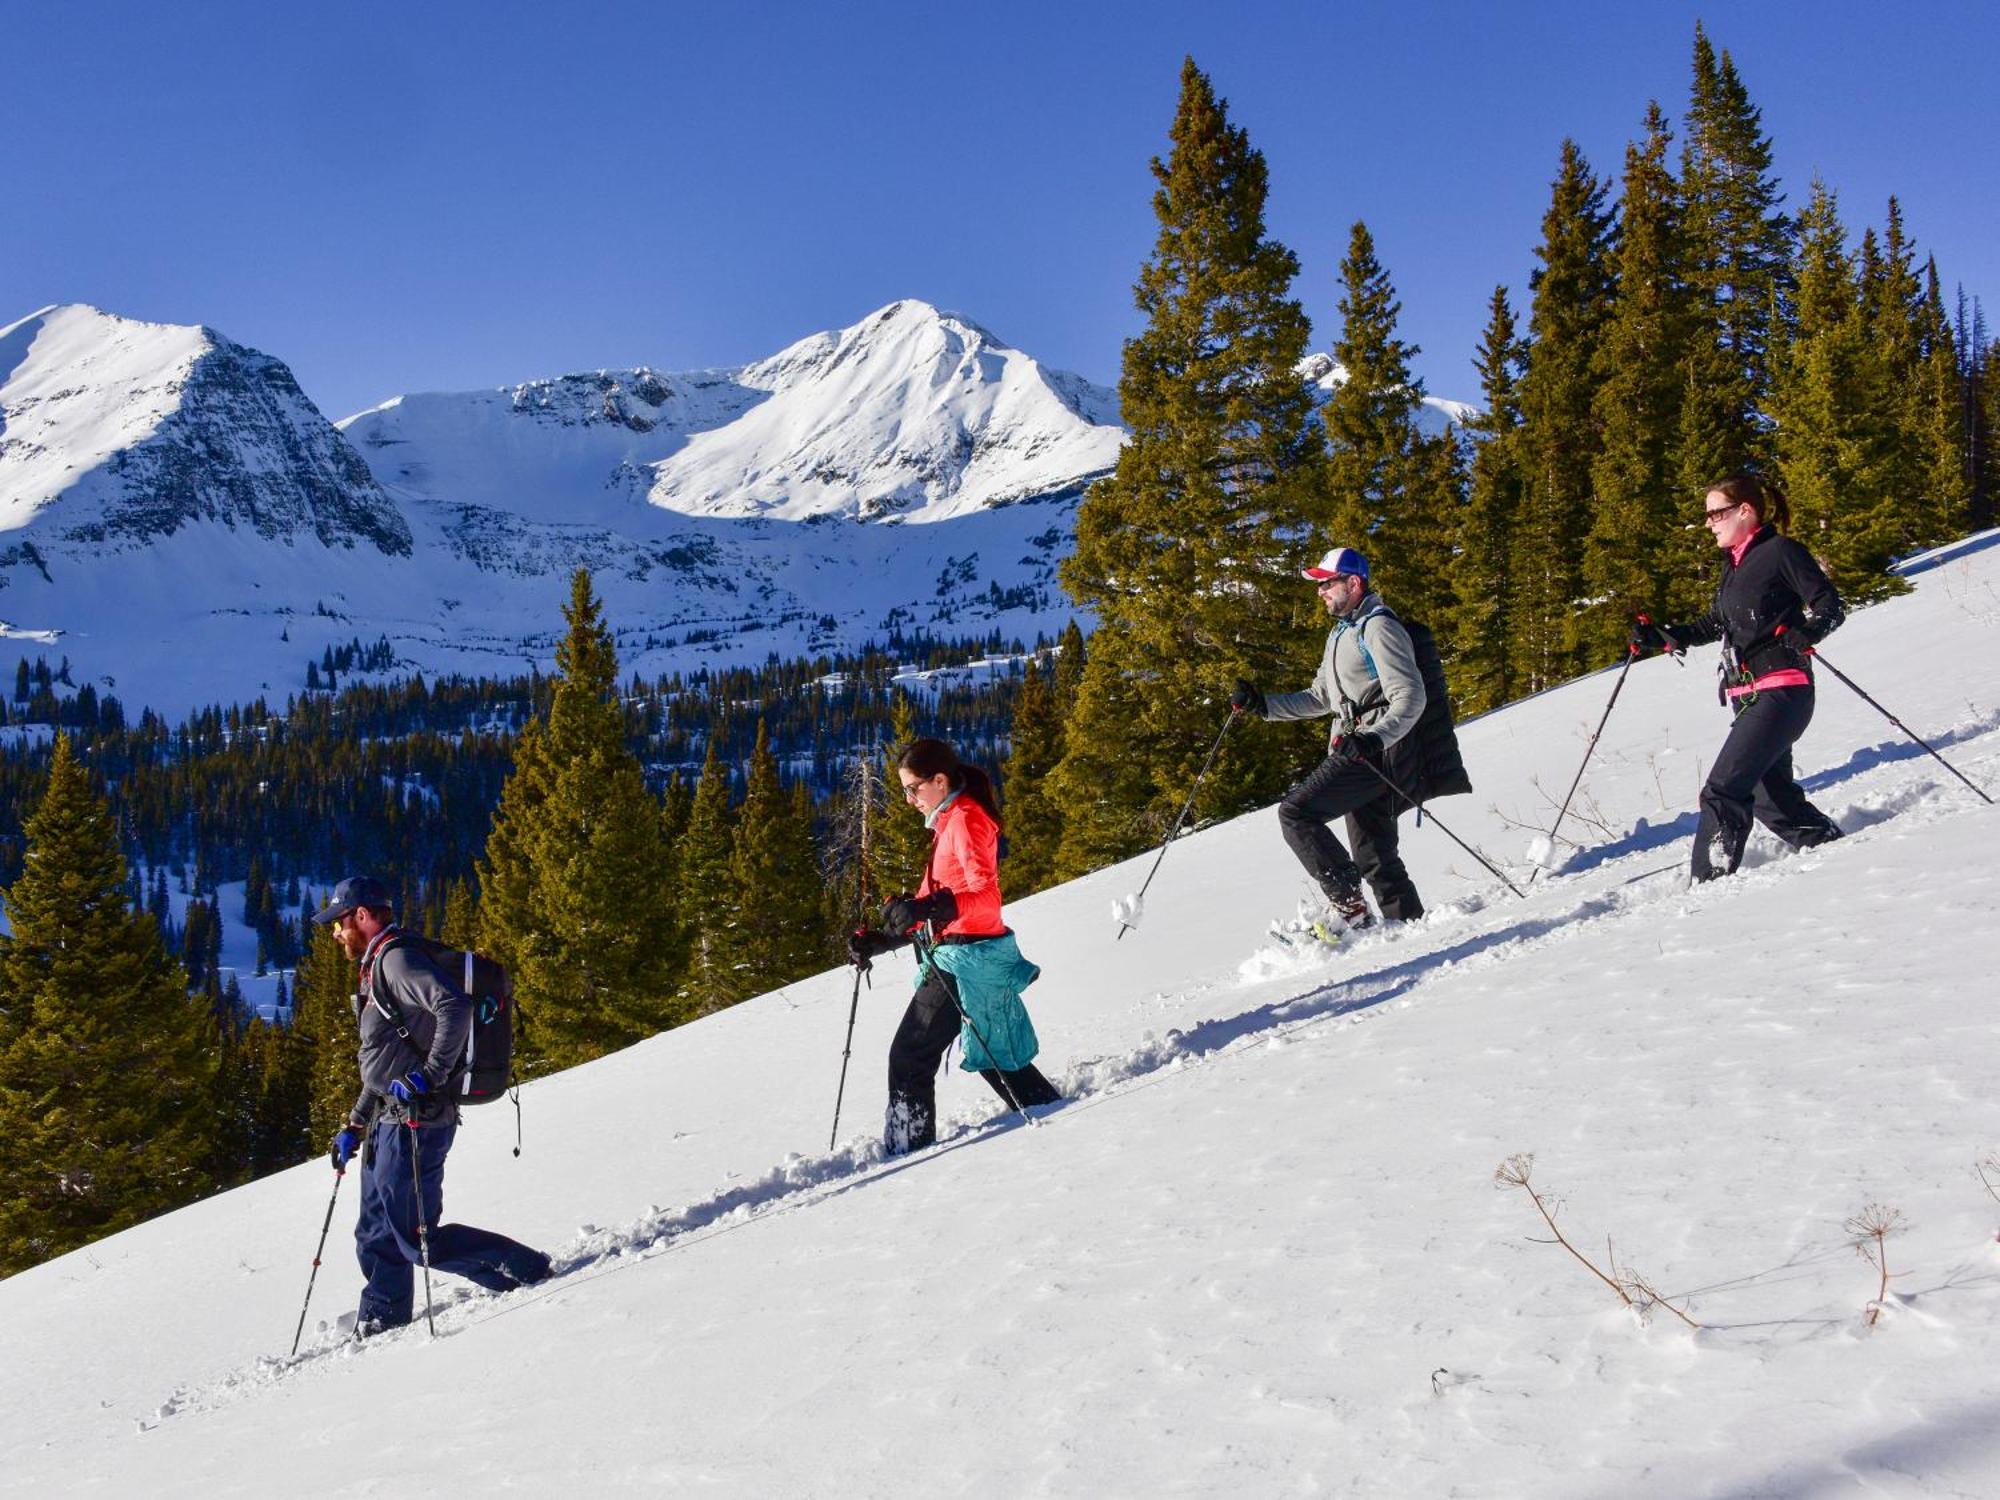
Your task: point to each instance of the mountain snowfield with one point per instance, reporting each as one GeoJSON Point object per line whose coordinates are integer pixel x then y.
{"type": "Point", "coordinates": [183, 525]}
{"type": "Point", "coordinates": [1260, 1250]}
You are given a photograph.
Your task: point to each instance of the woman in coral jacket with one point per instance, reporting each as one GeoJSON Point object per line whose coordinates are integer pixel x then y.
{"type": "Point", "coordinates": [1772, 606]}
{"type": "Point", "coordinates": [971, 974]}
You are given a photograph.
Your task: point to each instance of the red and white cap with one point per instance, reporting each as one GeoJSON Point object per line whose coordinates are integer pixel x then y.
{"type": "Point", "coordinates": [1339, 560]}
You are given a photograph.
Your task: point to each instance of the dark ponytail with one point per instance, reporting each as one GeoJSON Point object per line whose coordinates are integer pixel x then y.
{"type": "Point", "coordinates": [928, 757]}
{"type": "Point", "coordinates": [1760, 494]}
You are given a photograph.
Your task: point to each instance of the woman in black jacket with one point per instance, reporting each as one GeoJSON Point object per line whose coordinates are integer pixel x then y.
{"type": "Point", "coordinates": [1772, 605]}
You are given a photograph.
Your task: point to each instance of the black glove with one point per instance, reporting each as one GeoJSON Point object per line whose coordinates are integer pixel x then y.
{"type": "Point", "coordinates": [1248, 698]}
{"type": "Point", "coordinates": [1646, 636]}
{"type": "Point", "coordinates": [1358, 747]}
{"type": "Point", "coordinates": [863, 944]}
{"type": "Point", "coordinates": [907, 913]}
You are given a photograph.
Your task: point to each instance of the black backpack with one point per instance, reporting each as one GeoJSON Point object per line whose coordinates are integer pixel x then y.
{"type": "Point", "coordinates": [1424, 763]}
{"type": "Point", "coordinates": [487, 1068]}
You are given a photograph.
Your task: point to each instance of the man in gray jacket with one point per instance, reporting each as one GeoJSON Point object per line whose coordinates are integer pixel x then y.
{"type": "Point", "coordinates": [413, 1022]}
{"type": "Point", "coordinates": [1368, 678]}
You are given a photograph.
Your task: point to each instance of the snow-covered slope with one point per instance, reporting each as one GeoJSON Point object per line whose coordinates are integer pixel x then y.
{"type": "Point", "coordinates": [1260, 1252]}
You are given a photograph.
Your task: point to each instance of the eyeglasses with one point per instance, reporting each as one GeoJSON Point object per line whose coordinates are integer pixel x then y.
{"type": "Point", "coordinates": [911, 789]}
{"type": "Point", "coordinates": [1721, 510]}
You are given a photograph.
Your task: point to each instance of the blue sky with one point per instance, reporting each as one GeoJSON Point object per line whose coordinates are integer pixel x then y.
{"type": "Point", "coordinates": [441, 196]}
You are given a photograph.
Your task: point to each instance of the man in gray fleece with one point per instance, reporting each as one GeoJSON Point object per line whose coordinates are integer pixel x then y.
{"type": "Point", "coordinates": [413, 1022]}
{"type": "Point", "coordinates": [1369, 680]}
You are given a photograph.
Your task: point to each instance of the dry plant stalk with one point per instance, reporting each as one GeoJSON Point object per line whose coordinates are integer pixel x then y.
{"type": "Point", "coordinates": [1630, 1287]}
{"type": "Point", "coordinates": [1871, 1229]}
{"type": "Point", "coordinates": [1988, 1168]}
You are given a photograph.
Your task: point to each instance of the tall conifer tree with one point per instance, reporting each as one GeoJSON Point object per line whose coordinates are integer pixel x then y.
{"type": "Point", "coordinates": [106, 1112]}
{"type": "Point", "coordinates": [1631, 555]}
{"type": "Point", "coordinates": [1738, 267]}
{"type": "Point", "coordinates": [1984, 380]}
{"type": "Point", "coordinates": [574, 887]}
{"type": "Point", "coordinates": [1391, 490]}
{"type": "Point", "coordinates": [323, 1023]}
{"type": "Point", "coordinates": [775, 870]}
{"type": "Point", "coordinates": [1559, 436]}
{"type": "Point", "coordinates": [1482, 670]}
{"type": "Point", "coordinates": [1188, 552]}
{"type": "Point", "coordinates": [901, 844]}
{"type": "Point", "coordinates": [708, 893]}
{"type": "Point", "coordinates": [1034, 816]}
{"type": "Point", "coordinates": [1837, 451]}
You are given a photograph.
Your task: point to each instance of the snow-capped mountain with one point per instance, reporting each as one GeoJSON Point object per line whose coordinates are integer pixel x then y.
{"type": "Point", "coordinates": [1436, 413]}
{"type": "Point", "coordinates": [910, 413]}
{"type": "Point", "coordinates": [116, 433]}
{"type": "Point", "coordinates": [186, 527]}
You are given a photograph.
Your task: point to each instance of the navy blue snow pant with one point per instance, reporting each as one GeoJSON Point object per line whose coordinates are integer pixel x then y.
{"type": "Point", "coordinates": [385, 1235]}
{"type": "Point", "coordinates": [1335, 788]}
{"type": "Point", "coordinates": [1752, 778]}
{"type": "Point", "coordinates": [926, 1034]}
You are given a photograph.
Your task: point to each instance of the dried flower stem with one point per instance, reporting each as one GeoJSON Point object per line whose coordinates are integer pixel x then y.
{"type": "Point", "coordinates": [1513, 1173]}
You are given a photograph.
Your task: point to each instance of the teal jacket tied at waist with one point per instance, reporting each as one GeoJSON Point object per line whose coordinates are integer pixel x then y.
{"type": "Point", "coordinates": [990, 975]}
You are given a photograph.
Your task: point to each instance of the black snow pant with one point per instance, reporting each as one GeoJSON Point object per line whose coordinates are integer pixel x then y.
{"type": "Point", "coordinates": [1752, 777]}
{"type": "Point", "coordinates": [929, 1026]}
{"type": "Point", "coordinates": [1336, 788]}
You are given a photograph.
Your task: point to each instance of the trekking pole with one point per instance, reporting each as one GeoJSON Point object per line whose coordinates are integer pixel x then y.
{"type": "Point", "coordinates": [1424, 812]}
{"type": "Point", "coordinates": [950, 986]}
{"type": "Point", "coordinates": [853, 1009]}
{"type": "Point", "coordinates": [865, 787]}
{"type": "Point", "coordinates": [1631, 656]}
{"type": "Point", "coordinates": [1813, 651]}
{"type": "Point", "coordinates": [423, 1223]}
{"type": "Point", "coordinates": [319, 1250]}
{"type": "Point", "coordinates": [1125, 925]}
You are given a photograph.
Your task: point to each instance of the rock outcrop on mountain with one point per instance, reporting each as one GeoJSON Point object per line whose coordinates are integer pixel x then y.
{"type": "Point", "coordinates": [115, 434]}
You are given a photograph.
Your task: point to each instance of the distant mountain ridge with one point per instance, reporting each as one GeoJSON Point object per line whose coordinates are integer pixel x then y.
{"type": "Point", "coordinates": [911, 413]}
{"type": "Point", "coordinates": [179, 519]}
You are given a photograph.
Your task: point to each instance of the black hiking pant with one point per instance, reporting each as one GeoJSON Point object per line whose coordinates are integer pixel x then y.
{"type": "Point", "coordinates": [1752, 778]}
{"type": "Point", "coordinates": [926, 1034]}
{"type": "Point", "coordinates": [1335, 789]}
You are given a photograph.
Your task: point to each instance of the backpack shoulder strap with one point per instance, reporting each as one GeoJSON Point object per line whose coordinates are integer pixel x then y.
{"type": "Point", "coordinates": [389, 1009]}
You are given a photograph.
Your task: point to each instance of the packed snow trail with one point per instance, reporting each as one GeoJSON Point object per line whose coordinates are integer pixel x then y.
{"type": "Point", "coordinates": [1240, 1256]}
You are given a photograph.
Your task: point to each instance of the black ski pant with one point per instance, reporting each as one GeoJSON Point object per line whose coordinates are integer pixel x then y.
{"type": "Point", "coordinates": [926, 1034]}
{"type": "Point", "coordinates": [1752, 778]}
{"type": "Point", "coordinates": [1338, 788]}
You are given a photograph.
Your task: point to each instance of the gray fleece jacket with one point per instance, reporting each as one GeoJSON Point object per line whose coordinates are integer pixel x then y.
{"type": "Point", "coordinates": [437, 1015]}
{"type": "Point", "coordinates": [1390, 714]}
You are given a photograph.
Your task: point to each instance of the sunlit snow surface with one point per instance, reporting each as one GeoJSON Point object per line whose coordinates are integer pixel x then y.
{"type": "Point", "coordinates": [1260, 1251]}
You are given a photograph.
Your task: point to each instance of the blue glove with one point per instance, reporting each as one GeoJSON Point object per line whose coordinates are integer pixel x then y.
{"type": "Point", "coordinates": [345, 1144]}
{"type": "Point", "coordinates": [409, 1086]}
